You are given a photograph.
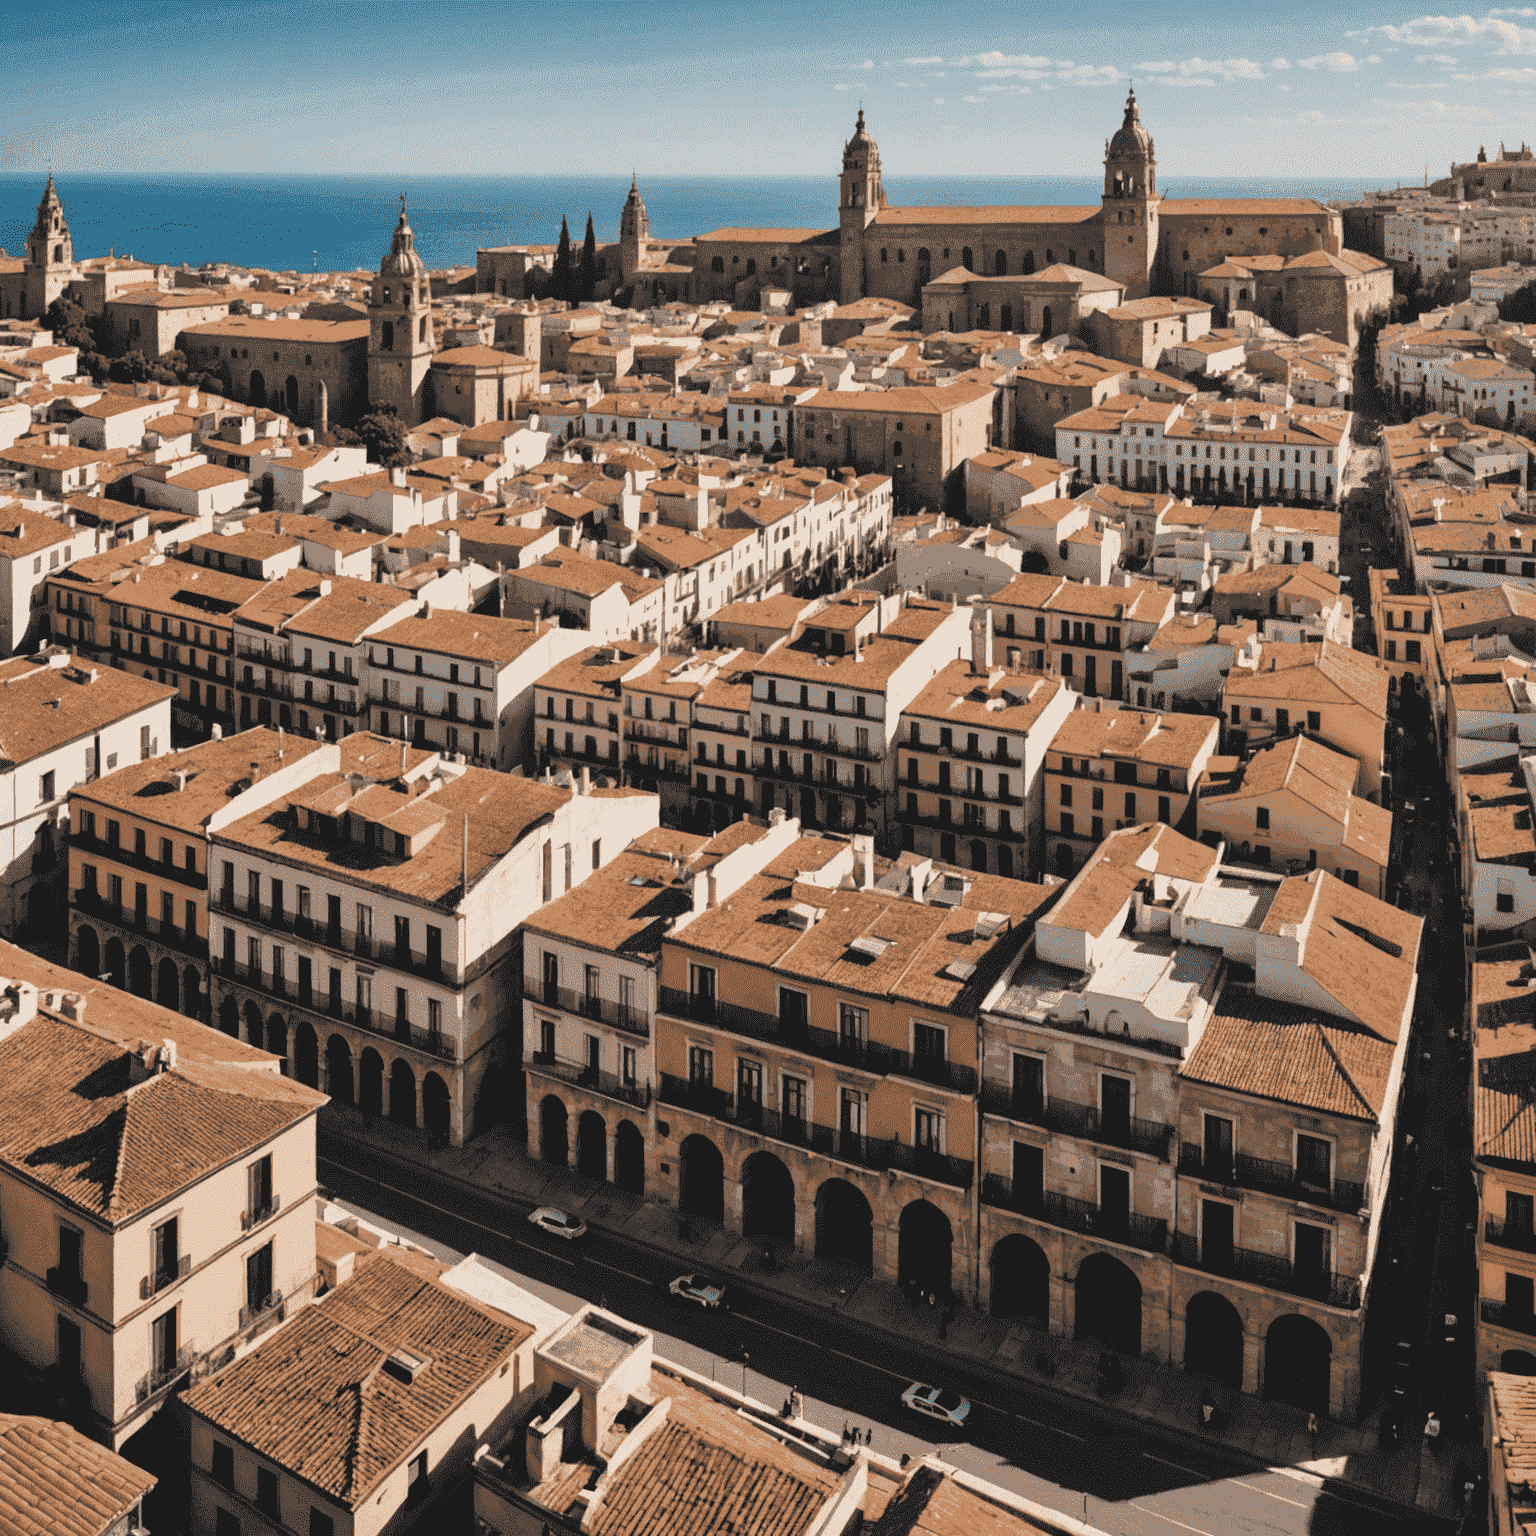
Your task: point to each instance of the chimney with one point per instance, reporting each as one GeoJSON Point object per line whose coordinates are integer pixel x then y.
{"type": "Point", "coordinates": [325, 589]}
{"type": "Point", "coordinates": [585, 786]}
{"type": "Point", "coordinates": [181, 779]}
{"type": "Point", "coordinates": [402, 757]}
{"type": "Point", "coordinates": [255, 771]}
{"type": "Point", "coordinates": [397, 477]}
{"type": "Point", "coordinates": [981, 643]}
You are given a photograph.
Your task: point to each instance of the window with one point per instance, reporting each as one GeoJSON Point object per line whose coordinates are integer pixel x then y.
{"type": "Point", "coordinates": [266, 1491]}
{"type": "Point", "coordinates": [259, 1188]}
{"type": "Point", "coordinates": [1217, 1161]}
{"type": "Point", "coordinates": [225, 1524]}
{"type": "Point", "coordinates": [45, 786]}
{"type": "Point", "coordinates": [1261, 818]}
{"type": "Point", "coordinates": [224, 1464]}
{"type": "Point", "coordinates": [701, 1064]}
{"type": "Point", "coordinates": [321, 1524]}
{"type": "Point", "coordinates": [852, 1026]}
{"type": "Point", "coordinates": [928, 1129]}
{"type": "Point", "coordinates": [1314, 720]}
{"type": "Point", "coordinates": [165, 1255]}
{"type": "Point", "coordinates": [416, 1478]}
{"type": "Point", "coordinates": [258, 1278]}
{"type": "Point", "coordinates": [928, 1042]}
{"type": "Point", "coordinates": [1314, 1163]}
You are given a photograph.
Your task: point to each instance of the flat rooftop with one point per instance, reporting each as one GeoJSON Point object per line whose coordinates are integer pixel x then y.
{"type": "Point", "coordinates": [1231, 902]}
{"type": "Point", "coordinates": [593, 1346]}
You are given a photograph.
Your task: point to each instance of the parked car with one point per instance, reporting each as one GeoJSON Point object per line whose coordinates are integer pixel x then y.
{"type": "Point", "coordinates": [939, 1403]}
{"type": "Point", "coordinates": [554, 1221]}
{"type": "Point", "coordinates": [699, 1291]}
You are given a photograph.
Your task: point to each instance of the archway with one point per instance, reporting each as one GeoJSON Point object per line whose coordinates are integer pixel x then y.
{"type": "Point", "coordinates": [306, 1056]}
{"type": "Point", "coordinates": [1021, 1279]}
{"type": "Point", "coordinates": [40, 910]}
{"type": "Point", "coordinates": [291, 395]}
{"type": "Point", "coordinates": [370, 1082]}
{"type": "Point", "coordinates": [702, 1179]}
{"type": "Point", "coordinates": [923, 1252]}
{"type": "Point", "coordinates": [1213, 1339]}
{"type": "Point", "coordinates": [592, 1145]}
{"type": "Point", "coordinates": [277, 1036]}
{"type": "Point", "coordinates": [88, 953]}
{"type": "Point", "coordinates": [629, 1157]}
{"type": "Point", "coordinates": [139, 971]}
{"type": "Point", "coordinates": [435, 1107]}
{"type": "Point", "coordinates": [1298, 1355]}
{"type": "Point", "coordinates": [1029, 263]}
{"type": "Point", "coordinates": [229, 1017]}
{"type": "Point", "coordinates": [116, 965]}
{"type": "Point", "coordinates": [258, 390]}
{"type": "Point", "coordinates": [1518, 1362]}
{"type": "Point", "coordinates": [1063, 859]}
{"type": "Point", "coordinates": [338, 1070]}
{"type": "Point", "coordinates": [1108, 1304]}
{"type": "Point", "coordinates": [1045, 323]}
{"type": "Point", "coordinates": [554, 1143]}
{"type": "Point", "coordinates": [1000, 263]}
{"type": "Point", "coordinates": [402, 1093]}
{"type": "Point", "coordinates": [767, 1199]}
{"type": "Point", "coordinates": [254, 1034]}
{"type": "Point", "coordinates": [845, 1224]}
{"type": "Point", "coordinates": [192, 992]}
{"type": "Point", "coordinates": [978, 855]}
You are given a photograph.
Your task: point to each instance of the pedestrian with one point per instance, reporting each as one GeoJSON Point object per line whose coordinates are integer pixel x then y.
{"type": "Point", "coordinates": [845, 1431]}
{"type": "Point", "coordinates": [1312, 1430]}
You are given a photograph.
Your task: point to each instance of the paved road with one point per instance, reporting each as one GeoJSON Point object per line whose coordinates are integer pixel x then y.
{"type": "Point", "coordinates": [1058, 1452]}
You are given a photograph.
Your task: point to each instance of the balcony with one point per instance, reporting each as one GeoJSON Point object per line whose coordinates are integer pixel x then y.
{"type": "Point", "coordinates": [115, 853]}
{"type": "Point", "coordinates": [609, 1084]}
{"type": "Point", "coordinates": [930, 1163]}
{"type": "Point", "coordinates": [90, 904]}
{"type": "Point", "coordinates": [263, 1314]}
{"type": "Point", "coordinates": [153, 1284]}
{"type": "Point", "coordinates": [1501, 1315]}
{"type": "Point", "coordinates": [1271, 1178]}
{"type": "Point", "coordinates": [1149, 1233]}
{"type": "Point", "coordinates": [1086, 1121]}
{"type": "Point", "coordinates": [1002, 757]}
{"type": "Point", "coordinates": [676, 768]}
{"type": "Point", "coordinates": [164, 1375]}
{"type": "Point", "coordinates": [704, 1098]}
{"type": "Point", "coordinates": [249, 1220]}
{"type": "Point", "coordinates": [68, 1285]}
{"type": "Point", "coordinates": [1510, 1235]}
{"type": "Point", "coordinates": [1273, 1271]}
{"type": "Point", "coordinates": [585, 1006]}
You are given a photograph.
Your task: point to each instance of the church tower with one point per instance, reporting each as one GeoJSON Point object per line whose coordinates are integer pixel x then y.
{"type": "Point", "coordinates": [400, 342]}
{"type": "Point", "coordinates": [50, 259]}
{"type": "Point", "coordinates": [634, 233]}
{"type": "Point", "coordinates": [1131, 203]}
{"type": "Point", "coordinates": [860, 198]}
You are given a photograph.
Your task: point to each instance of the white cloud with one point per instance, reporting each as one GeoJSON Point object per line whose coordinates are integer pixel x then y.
{"type": "Point", "coordinates": [1336, 63]}
{"type": "Point", "coordinates": [1524, 10]}
{"type": "Point", "coordinates": [901, 85]}
{"type": "Point", "coordinates": [1279, 63]}
{"type": "Point", "coordinates": [867, 64]}
{"type": "Point", "coordinates": [1374, 58]}
{"type": "Point", "coordinates": [841, 87]}
{"type": "Point", "coordinates": [1090, 74]}
{"type": "Point", "coordinates": [938, 101]}
{"type": "Point", "coordinates": [995, 60]}
{"type": "Point", "coordinates": [1434, 58]}
{"type": "Point", "coordinates": [1282, 86]}
{"type": "Point", "coordinates": [1198, 69]}
{"type": "Point", "coordinates": [1504, 36]}
{"type": "Point", "coordinates": [976, 99]}
{"type": "Point", "coordinates": [936, 59]}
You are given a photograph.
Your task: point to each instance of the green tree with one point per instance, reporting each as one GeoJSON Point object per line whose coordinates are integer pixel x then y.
{"type": "Point", "coordinates": [72, 327]}
{"type": "Point", "coordinates": [561, 280]}
{"type": "Point", "coordinates": [586, 271]}
{"type": "Point", "coordinates": [1520, 307]}
{"type": "Point", "coordinates": [382, 433]}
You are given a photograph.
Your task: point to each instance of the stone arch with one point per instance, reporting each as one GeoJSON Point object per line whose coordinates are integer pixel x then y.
{"type": "Point", "coordinates": [291, 395]}
{"type": "Point", "coordinates": [1518, 1362]}
{"type": "Point", "coordinates": [717, 264]}
{"type": "Point", "coordinates": [1005, 861]}
{"type": "Point", "coordinates": [592, 1145]}
{"type": "Point", "coordinates": [254, 1033]}
{"type": "Point", "coordinates": [370, 1082]}
{"type": "Point", "coordinates": [554, 1135]}
{"type": "Point", "coordinates": [1213, 1339]}
{"type": "Point", "coordinates": [845, 1224]}
{"type": "Point", "coordinates": [1063, 859]}
{"type": "Point", "coordinates": [1298, 1360]}
{"type": "Point", "coordinates": [1045, 323]}
{"type": "Point", "coordinates": [1021, 1279]}
{"type": "Point", "coordinates": [338, 1069]}
{"type": "Point", "coordinates": [1029, 263]}
{"type": "Point", "coordinates": [229, 1017]}
{"type": "Point", "coordinates": [751, 267]}
{"type": "Point", "coordinates": [277, 1036]}
{"type": "Point", "coordinates": [979, 854]}
{"type": "Point", "coordinates": [436, 1107]}
{"type": "Point", "coordinates": [966, 260]}
{"type": "Point", "coordinates": [767, 1198]}
{"type": "Point", "coordinates": [924, 1249]}
{"type": "Point", "coordinates": [139, 971]}
{"type": "Point", "coordinates": [257, 393]}
{"type": "Point", "coordinates": [306, 1056]}
{"type": "Point", "coordinates": [1005, 317]}
{"type": "Point", "coordinates": [701, 1172]}
{"type": "Point", "coordinates": [629, 1157]}
{"type": "Point", "coordinates": [116, 963]}
{"type": "Point", "coordinates": [1108, 1297]}
{"type": "Point", "coordinates": [402, 1093]}
{"type": "Point", "coordinates": [192, 992]}
{"type": "Point", "coordinates": [1000, 264]}
{"type": "Point", "coordinates": [88, 952]}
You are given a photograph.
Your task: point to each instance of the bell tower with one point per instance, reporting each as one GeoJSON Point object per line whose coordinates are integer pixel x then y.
{"type": "Point", "coordinates": [50, 259]}
{"type": "Point", "coordinates": [1131, 202]}
{"type": "Point", "coordinates": [860, 198]}
{"type": "Point", "coordinates": [400, 344]}
{"type": "Point", "coordinates": [634, 232]}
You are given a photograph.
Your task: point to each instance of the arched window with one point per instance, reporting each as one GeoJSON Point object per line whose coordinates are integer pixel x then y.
{"type": "Point", "coordinates": [885, 255]}
{"type": "Point", "coordinates": [1000, 263]}
{"type": "Point", "coordinates": [1050, 257]}
{"type": "Point", "coordinates": [1005, 318]}
{"type": "Point", "coordinates": [751, 266]}
{"type": "Point", "coordinates": [387, 336]}
{"type": "Point", "coordinates": [58, 253]}
{"type": "Point", "coordinates": [385, 299]}
{"type": "Point", "coordinates": [1071, 257]}
{"type": "Point", "coordinates": [965, 259]}
{"type": "Point", "coordinates": [896, 447]}
{"type": "Point", "coordinates": [422, 333]}
{"type": "Point", "coordinates": [901, 255]}
{"type": "Point", "coordinates": [1045, 324]}
{"type": "Point", "coordinates": [1029, 262]}
{"type": "Point", "coordinates": [718, 264]}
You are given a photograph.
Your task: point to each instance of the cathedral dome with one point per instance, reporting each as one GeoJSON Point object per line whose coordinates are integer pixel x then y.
{"type": "Point", "coordinates": [1131, 140]}
{"type": "Point", "coordinates": [402, 260]}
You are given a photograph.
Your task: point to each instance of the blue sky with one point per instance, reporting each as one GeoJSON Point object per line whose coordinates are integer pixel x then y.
{"type": "Point", "coordinates": [710, 86]}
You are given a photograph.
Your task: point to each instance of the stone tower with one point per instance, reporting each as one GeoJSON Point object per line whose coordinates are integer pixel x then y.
{"type": "Point", "coordinates": [400, 344]}
{"type": "Point", "coordinates": [634, 233]}
{"type": "Point", "coordinates": [1131, 203]}
{"type": "Point", "coordinates": [860, 198]}
{"type": "Point", "coordinates": [50, 259]}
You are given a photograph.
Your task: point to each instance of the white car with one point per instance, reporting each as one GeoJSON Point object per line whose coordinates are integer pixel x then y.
{"type": "Point", "coordinates": [700, 1290]}
{"type": "Point", "coordinates": [937, 1403]}
{"type": "Point", "coordinates": [548, 1219]}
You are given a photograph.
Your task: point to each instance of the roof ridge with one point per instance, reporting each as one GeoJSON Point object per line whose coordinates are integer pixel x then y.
{"type": "Point", "coordinates": [1343, 1071]}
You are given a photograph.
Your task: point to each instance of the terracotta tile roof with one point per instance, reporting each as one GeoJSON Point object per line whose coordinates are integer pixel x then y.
{"type": "Point", "coordinates": [988, 215]}
{"type": "Point", "coordinates": [315, 1398]}
{"type": "Point", "coordinates": [1122, 862]}
{"type": "Point", "coordinates": [43, 707]}
{"type": "Point", "coordinates": [54, 1480]}
{"type": "Point", "coordinates": [1168, 740]}
{"type": "Point", "coordinates": [479, 636]}
{"type": "Point", "coordinates": [931, 1503]}
{"type": "Point", "coordinates": [1325, 673]}
{"type": "Point", "coordinates": [957, 696]}
{"type": "Point", "coordinates": [23, 532]}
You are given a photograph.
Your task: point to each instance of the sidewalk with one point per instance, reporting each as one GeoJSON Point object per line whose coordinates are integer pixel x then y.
{"type": "Point", "coordinates": [1274, 1434]}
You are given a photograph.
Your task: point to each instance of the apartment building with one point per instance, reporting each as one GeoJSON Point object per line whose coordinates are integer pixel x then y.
{"type": "Point", "coordinates": [1185, 664]}
{"type": "Point", "coordinates": [608, 600]}
{"type": "Point", "coordinates": [827, 706]}
{"type": "Point", "coordinates": [1293, 803]}
{"type": "Point", "coordinates": [1288, 535]}
{"type": "Point", "coordinates": [578, 705]}
{"type": "Point", "coordinates": [67, 723]}
{"type": "Point", "coordinates": [371, 914]}
{"type": "Point", "coordinates": [189, 1229]}
{"type": "Point", "coordinates": [1076, 631]}
{"type": "Point", "coordinates": [1106, 769]}
{"type": "Point", "coordinates": [1404, 625]}
{"type": "Point", "coordinates": [590, 960]}
{"type": "Point", "coordinates": [138, 859]}
{"type": "Point", "coordinates": [724, 787]}
{"type": "Point", "coordinates": [1293, 603]}
{"type": "Point", "coordinates": [362, 1416]}
{"type": "Point", "coordinates": [658, 722]}
{"type": "Point", "coordinates": [1497, 843]}
{"type": "Point", "coordinates": [816, 1048]}
{"type": "Point", "coordinates": [34, 543]}
{"type": "Point", "coordinates": [970, 759]}
{"type": "Point", "coordinates": [462, 683]}
{"type": "Point", "coordinates": [1191, 1167]}
{"type": "Point", "coordinates": [1336, 695]}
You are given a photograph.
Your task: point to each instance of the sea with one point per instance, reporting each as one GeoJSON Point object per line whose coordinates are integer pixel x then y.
{"type": "Point", "coordinates": [326, 223]}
